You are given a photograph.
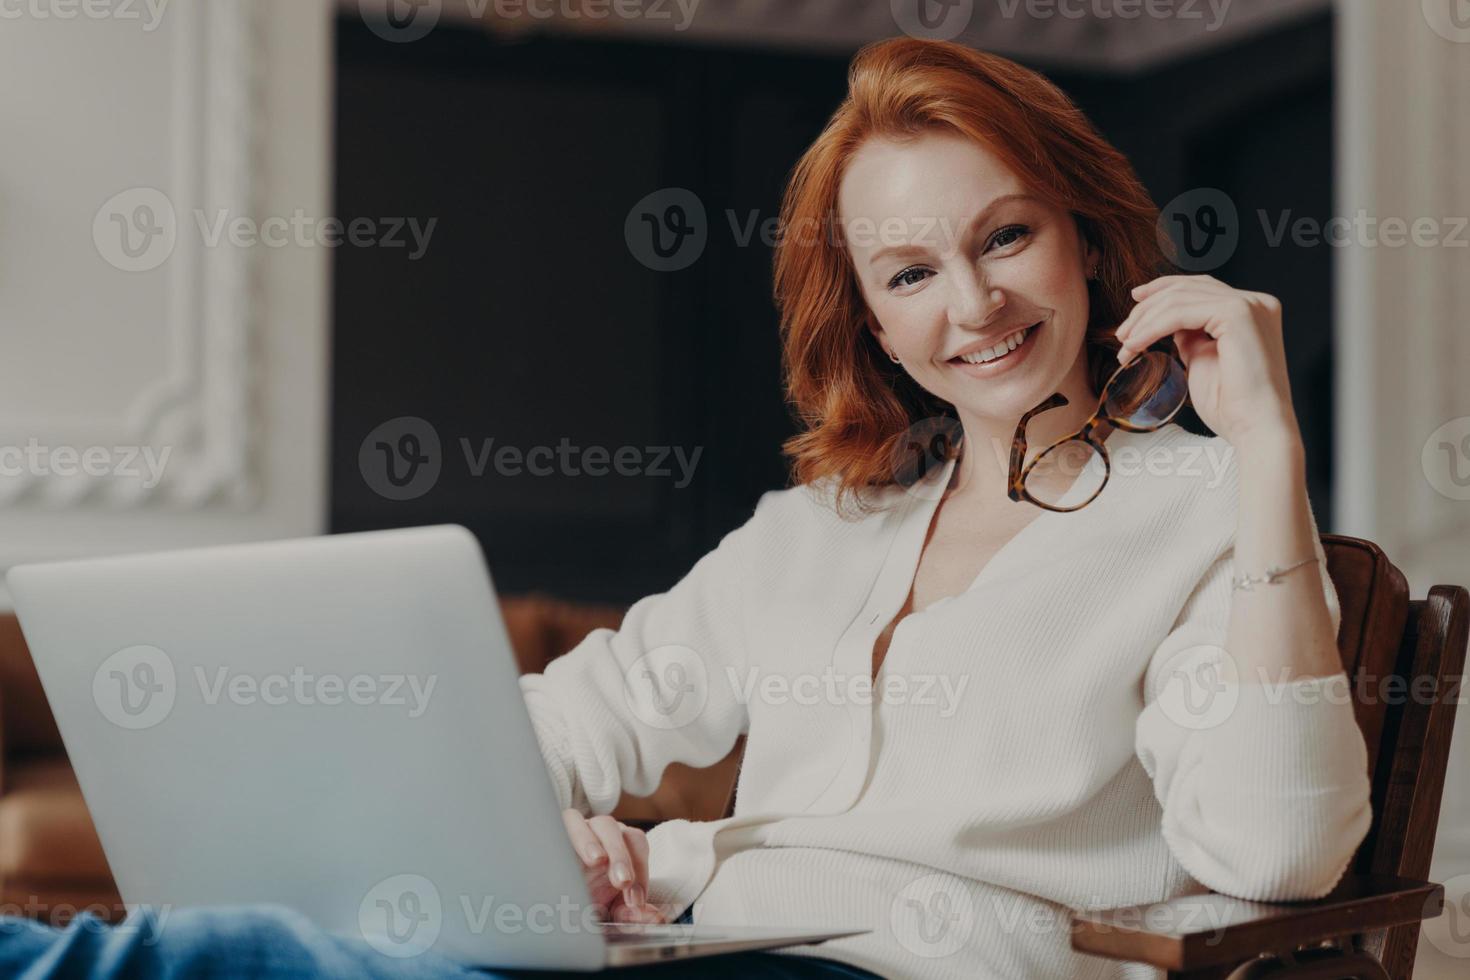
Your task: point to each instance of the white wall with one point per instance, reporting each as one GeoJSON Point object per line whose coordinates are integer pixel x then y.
{"type": "Point", "coordinates": [1403, 345]}
{"type": "Point", "coordinates": [215, 354]}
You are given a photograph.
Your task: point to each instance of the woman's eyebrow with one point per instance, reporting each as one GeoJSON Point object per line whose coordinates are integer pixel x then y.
{"type": "Point", "coordinates": [927, 227]}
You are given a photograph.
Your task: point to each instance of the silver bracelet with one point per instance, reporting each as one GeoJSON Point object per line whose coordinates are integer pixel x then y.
{"type": "Point", "coordinates": [1246, 582]}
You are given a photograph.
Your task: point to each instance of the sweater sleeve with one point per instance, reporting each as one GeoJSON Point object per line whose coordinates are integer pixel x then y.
{"type": "Point", "coordinates": [615, 710]}
{"type": "Point", "coordinates": [1264, 786]}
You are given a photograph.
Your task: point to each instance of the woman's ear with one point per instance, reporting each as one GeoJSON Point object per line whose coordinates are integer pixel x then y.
{"type": "Point", "coordinates": [1091, 256]}
{"type": "Point", "coordinates": [876, 329]}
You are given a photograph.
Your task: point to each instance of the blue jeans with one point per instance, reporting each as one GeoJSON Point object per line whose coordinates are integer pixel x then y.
{"type": "Point", "coordinates": [273, 942]}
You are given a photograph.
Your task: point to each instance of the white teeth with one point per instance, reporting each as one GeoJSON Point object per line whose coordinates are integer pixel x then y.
{"type": "Point", "coordinates": [999, 350]}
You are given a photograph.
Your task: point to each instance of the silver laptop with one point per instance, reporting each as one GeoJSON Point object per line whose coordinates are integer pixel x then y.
{"type": "Point", "coordinates": [332, 724]}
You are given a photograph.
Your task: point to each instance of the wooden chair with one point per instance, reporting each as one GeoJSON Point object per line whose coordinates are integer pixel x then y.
{"type": "Point", "coordinates": [1368, 927]}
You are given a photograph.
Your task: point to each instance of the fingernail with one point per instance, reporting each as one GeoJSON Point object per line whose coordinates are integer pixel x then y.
{"type": "Point", "coordinates": [592, 853]}
{"type": "Point", "coordinates": [620, 875]}
{"type": "Point", "coordinates": [635, 896]}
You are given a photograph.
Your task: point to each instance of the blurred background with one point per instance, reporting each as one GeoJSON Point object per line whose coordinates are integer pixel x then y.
{"type": "Point", "coordinates": [271, 268]}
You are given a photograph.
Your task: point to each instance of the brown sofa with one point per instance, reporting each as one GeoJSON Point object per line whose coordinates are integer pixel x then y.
{"type": "Point", "coordinates": [51, 863]}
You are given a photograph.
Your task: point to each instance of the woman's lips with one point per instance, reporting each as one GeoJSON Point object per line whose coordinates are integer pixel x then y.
{"type": "Point", "coordinates": [1005, 361]}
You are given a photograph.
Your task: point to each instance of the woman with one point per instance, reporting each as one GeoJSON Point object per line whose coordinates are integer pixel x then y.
{"type": "Point", "coordinates": [966, 714]}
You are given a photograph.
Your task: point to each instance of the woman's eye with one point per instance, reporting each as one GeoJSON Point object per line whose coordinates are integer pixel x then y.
{"type": "Point", "coordinates": [1009, 235]}
{"type": "Point", "coordinates": [908, 277]}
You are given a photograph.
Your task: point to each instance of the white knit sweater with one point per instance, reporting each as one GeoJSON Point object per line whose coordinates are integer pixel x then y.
{"type": "Point", "coordinates": [1016, 759]}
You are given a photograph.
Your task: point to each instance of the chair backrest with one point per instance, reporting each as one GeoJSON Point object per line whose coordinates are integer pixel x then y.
{"type": "Point", "coordinates": [1404, 657]}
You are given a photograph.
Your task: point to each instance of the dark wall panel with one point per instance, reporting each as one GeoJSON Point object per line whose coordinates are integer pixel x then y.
{"type": "Point", "coordinates": [528, 320]}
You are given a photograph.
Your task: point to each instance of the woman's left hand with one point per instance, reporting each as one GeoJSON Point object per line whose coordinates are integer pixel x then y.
{"type": "Point", "coordinates": [1230, 341]}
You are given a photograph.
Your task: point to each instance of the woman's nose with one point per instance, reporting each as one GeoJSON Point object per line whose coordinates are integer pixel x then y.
{"type": "Point", "coordinates": [973, 299]}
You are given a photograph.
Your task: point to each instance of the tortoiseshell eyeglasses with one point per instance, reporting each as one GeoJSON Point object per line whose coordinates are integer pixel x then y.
{"type": "Point", "coordinates": [1141, 396]}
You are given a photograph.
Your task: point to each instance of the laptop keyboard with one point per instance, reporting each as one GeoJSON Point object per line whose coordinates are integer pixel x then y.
{"type": "Point", "coordinates": [625, 932]}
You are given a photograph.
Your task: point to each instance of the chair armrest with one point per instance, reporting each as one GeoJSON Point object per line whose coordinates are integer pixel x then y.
{"type": "Point", "coordinates": [1195, 931]}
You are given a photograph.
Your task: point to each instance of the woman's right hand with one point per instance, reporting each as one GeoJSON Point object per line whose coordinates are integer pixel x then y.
{"type": "Point", "coordinates": [615, 859]}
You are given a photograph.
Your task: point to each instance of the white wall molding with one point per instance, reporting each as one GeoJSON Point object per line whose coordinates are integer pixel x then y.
{"type": "Point", "coordinates": [199, 406]}
{"type": "Point", "coordinates": [1403, 332]}
{"type": "Point", "coordinates": [180, 343]}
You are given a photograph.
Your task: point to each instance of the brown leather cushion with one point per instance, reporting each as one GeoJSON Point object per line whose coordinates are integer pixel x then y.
{"type": "Point", "coordinates": [60, 902]}
{"type": "Point", "coordinates": [26, 725]}
{"type": "Point", "coordinates": [45, 831]}
{"type": "Point", "coordinates": [542, 628]}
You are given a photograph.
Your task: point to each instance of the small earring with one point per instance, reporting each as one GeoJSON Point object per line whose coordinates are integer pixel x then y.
{"type": "Point", "coordinates": [1093, 273]}
{"type": "Point", "coordinates": [892, 358]}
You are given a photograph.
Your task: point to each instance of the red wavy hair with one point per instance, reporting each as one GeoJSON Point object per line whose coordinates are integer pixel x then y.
{"type": "Point", "coordinates": [855, 406]}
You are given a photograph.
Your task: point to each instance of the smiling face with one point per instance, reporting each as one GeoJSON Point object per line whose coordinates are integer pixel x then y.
{"type": "Point", "coordinates": [954, 256]}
